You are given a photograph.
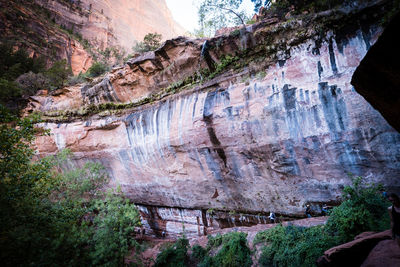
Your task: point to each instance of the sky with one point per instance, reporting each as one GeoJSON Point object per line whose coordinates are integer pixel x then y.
{"type": "Point", "coordinates": [185, 12]}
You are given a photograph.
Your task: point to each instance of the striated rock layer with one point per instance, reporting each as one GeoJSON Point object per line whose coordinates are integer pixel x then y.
{"type": "Point", "coordinates": [240, 143]}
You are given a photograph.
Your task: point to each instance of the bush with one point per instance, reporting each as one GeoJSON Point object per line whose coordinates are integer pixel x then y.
{"type": "Point", "coordinates": [150, 42]}
{"type": "Point", "coordinates": [293, 246]}
{"type": "Point", "coordinates": [57, 74]}
{"type": "Point", "coordinates": [73, 80]}
{"type": "Point", "coordinates": [199, 252]}
{"type": "Point", "coordinates": [31, 82]}
{"type": "Point", "coordinates": [8, 90]}
{"type": "Point", "coordinates": [233, 251]}
{"type": "Point", "coordinates": [363, 209]}
{"type": "Point", "coordinates": [114, 226]}
{"type": "Point", "coordinates": [174, 256]}
{"type": "Point", "coordinates": [97, 69]}
{"type": "Point", "coordinates": [12, 65]}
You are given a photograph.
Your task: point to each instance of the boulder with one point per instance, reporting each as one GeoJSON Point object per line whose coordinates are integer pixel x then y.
{"type": "Point", "coordinates": [352, 253]}
{"type": "Point", "coordinates": [385, 253]}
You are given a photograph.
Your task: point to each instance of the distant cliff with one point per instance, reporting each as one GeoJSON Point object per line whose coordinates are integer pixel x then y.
{"type": "Point", "coordinates": [80, 31]}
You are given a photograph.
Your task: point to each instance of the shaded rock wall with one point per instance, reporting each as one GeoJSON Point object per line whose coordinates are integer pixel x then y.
{"type": "Point", "coordinates": [378, 79]}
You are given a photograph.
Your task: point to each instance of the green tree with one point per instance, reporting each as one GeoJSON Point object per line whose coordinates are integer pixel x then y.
{"type": "Point", "coordinates": [260, 3]}
{"type": "Point", "coordinates": [216, 14]}
{"type": "Point", "coordinates": [114, 226]}
{"type": "Point", "coordinates": [8, 90]}
{"type": "Point", "coordinates": [150, 42]}
{"type": "Point", "coordinates": [363, 209]}
{"type": "Point", "coordinates": [52, 214]}
{"type": "Point", "coordinates": [14, 62]}
{"type": "Point", "coordinates": [58, 73]}
{"type": "Point", "coordinates": [175, 255]}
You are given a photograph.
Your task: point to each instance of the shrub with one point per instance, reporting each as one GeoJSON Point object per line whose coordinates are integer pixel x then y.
{"type": "Point", "coordinates": [150, 42]}
{"type": "Point", "coordinates": [8, 90]}
{"type": "Point", "coordinates": [31, 82]}
{"type": "Point", "coordinates": [199, 252]}
{"type": "Point", "coordinates": [14, 63]}
{"type": "Point", "coordinates": [293, 246]}
{"type": "Point", "coordinates": [73, 80]}
{"type": "Point", "coordinates": [232, 251]}
{"type": "Point", "coordinates": [57, 74]}
{"type": "Point", "coordinates": [226, 61]}
{"type": "Point", "coordinates": [363, 209]}
{"type": "Point", "coordinates": [97, 69]}
{"type": "Point", "coordinates": [114, 226]}
{"type": "Point", "coordinates": [174, 256]}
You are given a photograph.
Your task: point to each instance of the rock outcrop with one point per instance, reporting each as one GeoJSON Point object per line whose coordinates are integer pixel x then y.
{"type": "Point", "coordinates": [385, 253]}
{"type": "Point", "coordinates": [355, 252]}
{"type": "Point", "coordinates": [367, 250]}
{"type": "Point", "coordinates": [377, 78]}
{"type": "Point", "coordinates": [276, 125]}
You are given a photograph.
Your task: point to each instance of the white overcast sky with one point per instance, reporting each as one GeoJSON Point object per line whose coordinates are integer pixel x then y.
{"type": "Point", "coordinates": [185, 12]}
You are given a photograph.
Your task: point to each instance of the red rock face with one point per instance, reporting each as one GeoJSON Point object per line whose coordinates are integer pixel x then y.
{"type": "Point", "coordinates": [58, 29]}
{"type": "Point", "coordinates": [240, 142]}
{"type": "Point", "coordinates": [128, 21]}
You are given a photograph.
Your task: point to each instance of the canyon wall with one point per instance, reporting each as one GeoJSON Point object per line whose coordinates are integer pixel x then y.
{"type": "Point", "coordinates": [273, 131]}
{"type": "Point", "coordinates": [80, 30]}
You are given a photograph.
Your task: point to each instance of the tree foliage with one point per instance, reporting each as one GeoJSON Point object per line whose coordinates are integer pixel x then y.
{"type": "Point", "coordinates": [260, 3]}
{"type": "Point", "coordinates": [174, 255]}
{"type": "Point", "coordinates": [216, 14]}
{"type": "Point", "coordinates": [229, 250]}
{"type": "Point", "coordinates": [58, 74]}
{"type": "Point", "coordinates": [97, 69]}
{"type": "Point", "coordinates": [150, 42]}
{"type": "Point", "coordinates": [14, 62]}
{"type": "Point", "coordinates": [363, 209]}
{"type": "Point", "coordinates": [53, 214]}
{"type": "Point", "coordinates": [233, 251]}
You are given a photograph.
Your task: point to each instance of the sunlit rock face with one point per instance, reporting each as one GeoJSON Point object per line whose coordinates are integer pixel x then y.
{"type": "Point", "coordinates": [248, 145]}
{"type": "Point", "coordinates": [129, 20]}
{"type": "Point", "coordinates": [75, 30]}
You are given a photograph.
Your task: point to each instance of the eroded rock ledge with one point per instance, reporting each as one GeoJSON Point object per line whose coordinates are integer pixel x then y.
{"type": "Point", "coordinates": [276, 126]}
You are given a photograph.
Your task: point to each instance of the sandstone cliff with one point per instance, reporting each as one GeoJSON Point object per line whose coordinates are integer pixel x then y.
{"type": "Point", "coordinates": [81, 30]}
{"type": "Point", "coordinates": [274, 126]}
